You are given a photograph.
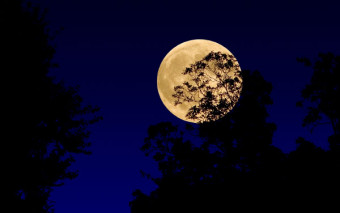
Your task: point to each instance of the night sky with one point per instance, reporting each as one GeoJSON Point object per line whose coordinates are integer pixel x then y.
{"type": "Point", "coordinates": [112, 50]}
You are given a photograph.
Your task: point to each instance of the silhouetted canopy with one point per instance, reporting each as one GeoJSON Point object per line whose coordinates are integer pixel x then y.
{"type": "Point", "coordinates": [45, 121]}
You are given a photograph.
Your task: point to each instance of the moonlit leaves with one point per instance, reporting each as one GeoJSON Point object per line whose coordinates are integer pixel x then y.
{"type": "Point", "coordinates": [214, 87]}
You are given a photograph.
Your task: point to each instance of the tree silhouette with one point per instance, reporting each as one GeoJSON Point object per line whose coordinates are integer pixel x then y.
{"type": "Point", "coordinates": [313, 172]}
{"type": "Point", "coordinates": [230, 161]}
{"type": "Point", "coordinates": [230, 164]}
{"type": "Point", "coordinates": [213, 88]}
{"type": "Point", "coordinates": [45, 121]}
{"type": "Point", "coordinates": [321, 95]}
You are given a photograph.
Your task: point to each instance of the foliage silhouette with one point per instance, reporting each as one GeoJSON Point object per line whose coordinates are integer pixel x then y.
{"type": "Point", "coordinates": [46, 122]}
{"type": "Point", "coordinates": [310, 165]}
{"type": "Point", "coordinates": [213, 88]}
{"type": "Point", "coordinates": [229, 164]}
{"type": "Point", "coordinates": [322, 95]}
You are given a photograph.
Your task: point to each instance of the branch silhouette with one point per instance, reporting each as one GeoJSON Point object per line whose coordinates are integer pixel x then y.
{"type": "Point", "coordinates": [232, 165]}
{"type": "Point", "coordinates": [222, 167]}
{"type": "Point", "coordinates": [213, 88]}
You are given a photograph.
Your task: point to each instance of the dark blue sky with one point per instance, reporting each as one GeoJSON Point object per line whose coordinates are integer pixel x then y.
{"type": "Point", "coordinates": [112, 50]}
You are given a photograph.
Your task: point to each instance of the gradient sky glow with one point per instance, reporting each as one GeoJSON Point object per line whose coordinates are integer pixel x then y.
{"type": "Point", "coordinates": [113, 49]}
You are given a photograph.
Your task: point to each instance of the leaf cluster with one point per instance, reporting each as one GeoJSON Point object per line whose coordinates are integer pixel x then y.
{"type": "Point", "coordinates": [213, 87]}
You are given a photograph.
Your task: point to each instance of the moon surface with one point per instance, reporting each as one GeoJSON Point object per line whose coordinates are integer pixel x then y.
{"type": "Point", "coordinates": [172, 67]}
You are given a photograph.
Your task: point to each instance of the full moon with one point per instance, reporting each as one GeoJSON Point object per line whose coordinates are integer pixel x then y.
{"type": "Point", "coordinates": [181, 57]}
